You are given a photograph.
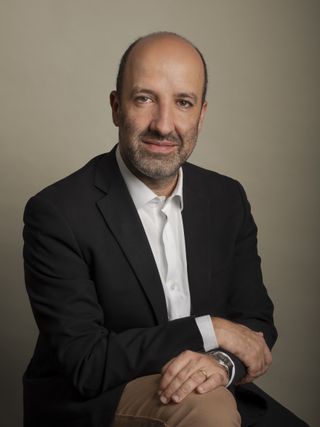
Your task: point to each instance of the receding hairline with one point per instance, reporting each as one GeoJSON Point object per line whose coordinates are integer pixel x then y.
{"type": "Point", "coordinates": [161, 35]}
{"type": "Point", "coordinates": [158, 35]}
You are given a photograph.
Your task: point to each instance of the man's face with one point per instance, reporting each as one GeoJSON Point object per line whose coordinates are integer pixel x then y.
{"type": "Point", "coordinates": [160, 111]}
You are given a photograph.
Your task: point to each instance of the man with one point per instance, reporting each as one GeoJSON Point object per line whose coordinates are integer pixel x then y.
{"type": "Point", "coordinates": [143, 275]}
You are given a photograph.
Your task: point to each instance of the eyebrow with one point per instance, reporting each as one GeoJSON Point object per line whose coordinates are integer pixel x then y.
{"type": "Point", "coordinates": [190, 95]}
{"type": "Point", "coordinates": [138, 89]}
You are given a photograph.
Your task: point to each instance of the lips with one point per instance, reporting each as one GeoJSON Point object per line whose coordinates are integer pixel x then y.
{"type": "Point", "coordinates": [164, 143]}
{"type": "Point", "coordinates": [159, 146]}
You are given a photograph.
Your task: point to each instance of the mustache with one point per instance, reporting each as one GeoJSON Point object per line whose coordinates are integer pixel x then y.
{"type": "Point", "coordinates": [158, 136]}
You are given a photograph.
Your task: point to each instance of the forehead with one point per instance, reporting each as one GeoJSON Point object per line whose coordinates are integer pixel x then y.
{"type": "Point", "coordinates": [164, 62]}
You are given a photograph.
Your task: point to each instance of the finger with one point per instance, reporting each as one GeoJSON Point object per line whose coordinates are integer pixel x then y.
{"type": "Point", "coordinates": [165, 367]}
{"type": "Point", "coordinates": [258, 365]}
{"type": "Point", "coordinates": [187, 387]}
{"type": "Point", "coordinates": [176, 366]}
{"type": "Point", "coordinates": [258, 358]}
{"type": "Point", "coordinates": [247, 379]}
{"type": "Point", "coordinates": [254, 362]}
{"type": "Point", "coordinates": [217, 379]}
{"type": "Point", "coordinates": [252, 350]}
{"type": "Point", "coordinates": [184, 378]}
{"type": "Point", "coordinates": [255, 374]}
{"type": "Point", "coordinates": [268, 355]}
{"type": "Point", "coordinates": [260, 368]}
{"type": "Point", "coordinates": [266, 350]}
{"type": "Point", "coordinates": [262, 362]}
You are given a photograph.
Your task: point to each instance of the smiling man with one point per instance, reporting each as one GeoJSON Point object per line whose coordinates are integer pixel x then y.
{"type": "Point", "coordinates": [143, 273]}
{"type": "Point", "coordinates": [159, 109]}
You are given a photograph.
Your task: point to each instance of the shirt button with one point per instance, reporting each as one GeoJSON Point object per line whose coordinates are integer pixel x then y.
{"type": "Point", "coordinates": [173, 286]}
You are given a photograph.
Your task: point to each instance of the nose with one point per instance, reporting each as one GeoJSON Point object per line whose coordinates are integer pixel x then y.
{"type": "Point", "coordinates": [162, 119]}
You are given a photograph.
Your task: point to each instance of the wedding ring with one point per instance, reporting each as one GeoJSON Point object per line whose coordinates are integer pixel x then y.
{"type": "Point", "coordinates": [204, 372]}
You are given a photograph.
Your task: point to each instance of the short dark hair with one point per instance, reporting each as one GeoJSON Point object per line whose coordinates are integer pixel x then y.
{"type": "Point", "coordinates": [124, 60]}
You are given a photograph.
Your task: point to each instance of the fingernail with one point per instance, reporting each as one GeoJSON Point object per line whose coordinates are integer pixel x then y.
{"type": "Point", "coordinates": [176, 398]}
{"type": "Point", "coordinates": [164, 400]}
{"type": "Point", "coordinates": [200, 389]}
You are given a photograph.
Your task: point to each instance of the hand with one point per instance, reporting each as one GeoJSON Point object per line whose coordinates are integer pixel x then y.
{"type": "Point", "coordinates": [249, 346]}
{"type": "Point", "coordinates": [189, 372]}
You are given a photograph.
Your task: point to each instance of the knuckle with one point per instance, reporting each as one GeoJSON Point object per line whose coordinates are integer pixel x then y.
{"type": "Point", "coordinates": [170, 371]}
{"type": "Point", "coordinates": [185, 389]}
{"type": "Point", "coordinates": [204, 388]}
{"type": "Point", "coordinates": [193, 365]}
{"type": "Point", "coordinates": [181, 376]}
{"type": "Point", "coordinates": [253, 365]}
{"type": "Point", "coordinates": [169, 391]}
{"type": "Point", "coordinates": [164, 369]}
{"type": "Point", "coordinates": [256, 352]}
{"type": "Point", "coordinates": [216, 378]}
{"type": "Point", "coordinates": [197, 377]}
{"type": "Point", "coordinates": [253, 372]}
{"type": "Point", "coordinates": [199, 357]}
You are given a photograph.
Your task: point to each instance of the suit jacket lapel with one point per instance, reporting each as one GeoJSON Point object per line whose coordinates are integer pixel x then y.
{"type": "Point", "coordinates": [196, 222]}
{"type": "Point", "coordinates": [123, 220]}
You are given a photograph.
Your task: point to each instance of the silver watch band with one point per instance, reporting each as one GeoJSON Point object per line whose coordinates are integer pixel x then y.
{"type": "Point", "coordinates": [223, 360]}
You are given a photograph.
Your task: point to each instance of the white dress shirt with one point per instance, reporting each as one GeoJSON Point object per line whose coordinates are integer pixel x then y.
{"type": "Point", "coordinates": [162, 221]}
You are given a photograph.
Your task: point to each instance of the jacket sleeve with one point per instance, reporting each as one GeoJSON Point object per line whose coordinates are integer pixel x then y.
{"type": "Point", "coordinates": [70, 319]}
{"type": "Point", "coordinates": [249, 303]}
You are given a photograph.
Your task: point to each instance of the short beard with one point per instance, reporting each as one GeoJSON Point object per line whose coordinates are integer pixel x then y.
{"type": "Point", "coordinates": [156, 166]}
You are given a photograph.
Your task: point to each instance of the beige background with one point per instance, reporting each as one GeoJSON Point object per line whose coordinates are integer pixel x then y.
{"type": "Point", "coordinates": [58, 64]}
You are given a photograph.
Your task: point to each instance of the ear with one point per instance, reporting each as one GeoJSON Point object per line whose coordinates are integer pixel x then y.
{"type": "Point", "coordinates": [202, 114]}
{"type": "Point", "coordinates": [115, 107]}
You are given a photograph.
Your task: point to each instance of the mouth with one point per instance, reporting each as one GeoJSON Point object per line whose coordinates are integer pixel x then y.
{"type": "Point", "coordinates": [157, 146]}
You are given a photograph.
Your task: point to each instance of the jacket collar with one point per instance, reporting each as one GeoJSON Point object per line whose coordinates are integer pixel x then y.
{"type": "Point", "coordinates": [121, 217]}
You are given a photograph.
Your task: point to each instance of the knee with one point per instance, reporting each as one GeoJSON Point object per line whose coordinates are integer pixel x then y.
{"type": "Point", "coordinates": [214, 409]}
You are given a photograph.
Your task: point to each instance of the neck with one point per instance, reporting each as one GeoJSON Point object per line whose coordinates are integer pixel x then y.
{"type": "Point", "coordinates": [162, 187]}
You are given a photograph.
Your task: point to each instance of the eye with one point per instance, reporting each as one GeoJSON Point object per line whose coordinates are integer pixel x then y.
{"type": "Point", "coordinates": [142, 99]}
{"type": "Point", "coordinates": [183, 103]}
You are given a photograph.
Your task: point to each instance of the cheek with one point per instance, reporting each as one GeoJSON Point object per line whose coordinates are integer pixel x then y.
{"type": "Point", "coordinates": [137, 123]}
{"type": "Point", "coordinates": [187, 124]}
{"type": "Point", "coordinates": [130, 130]}
{"type": "Point", "coordinates": [190, 134]}
{"type": "Point", "coordinates": [140, 114]}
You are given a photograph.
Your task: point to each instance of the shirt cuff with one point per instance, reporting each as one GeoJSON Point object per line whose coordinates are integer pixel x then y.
{"type": "Point", "coordinates": [207, 332]}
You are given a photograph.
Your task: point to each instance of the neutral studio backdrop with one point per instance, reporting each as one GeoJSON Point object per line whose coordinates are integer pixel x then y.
{"type": "Point", "coordinates": [58, 60]}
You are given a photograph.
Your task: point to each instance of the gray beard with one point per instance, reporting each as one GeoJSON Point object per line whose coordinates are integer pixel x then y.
{"type": "Point", "coordinates": [155, 166]}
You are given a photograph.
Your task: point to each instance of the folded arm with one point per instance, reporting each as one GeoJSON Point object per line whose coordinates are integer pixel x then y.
{"type": "Point", "coordinates": [71, 321]}
{"type": "Point", "coordinates": [246, 333]}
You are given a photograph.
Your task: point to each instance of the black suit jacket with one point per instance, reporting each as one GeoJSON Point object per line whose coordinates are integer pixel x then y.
{"type": "Point", "coordinates": [96, 293]}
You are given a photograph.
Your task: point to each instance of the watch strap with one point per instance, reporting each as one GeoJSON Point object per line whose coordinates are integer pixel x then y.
{"type": "Point", "coordinates": [223, 360]}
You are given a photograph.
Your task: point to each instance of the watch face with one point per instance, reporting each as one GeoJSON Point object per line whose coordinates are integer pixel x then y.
{"type": "Point", "coordinates": [224, 361]}
{"type": "Point", "coordinates": [224, 358]}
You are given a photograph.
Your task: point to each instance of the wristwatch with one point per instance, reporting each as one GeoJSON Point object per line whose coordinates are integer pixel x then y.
{"type": "Point", "coordinates": [223, 360]}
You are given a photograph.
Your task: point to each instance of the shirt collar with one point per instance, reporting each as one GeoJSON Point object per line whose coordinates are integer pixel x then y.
{"type": "Point", "coordinates": [141, 194]}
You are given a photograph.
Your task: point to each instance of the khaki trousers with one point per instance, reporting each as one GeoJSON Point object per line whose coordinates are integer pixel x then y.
{"type": "Point", "coordinates": [140, 406]}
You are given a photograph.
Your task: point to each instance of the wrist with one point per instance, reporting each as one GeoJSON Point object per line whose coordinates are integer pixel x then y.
{"type": "Point", "coordinates": [220, 330]}
{"type": "Point", "coordinates": [225, 362]}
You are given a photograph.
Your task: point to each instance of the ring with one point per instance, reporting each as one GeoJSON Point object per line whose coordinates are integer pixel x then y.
{"type": "Point", "coordinates": [204, 372]}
